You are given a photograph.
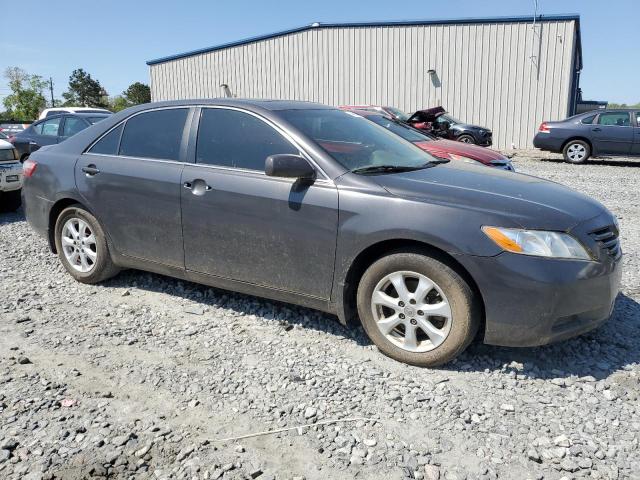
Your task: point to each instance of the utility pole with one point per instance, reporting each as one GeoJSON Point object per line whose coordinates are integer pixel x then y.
{"type": "Point", "coordinates": [53, 102]}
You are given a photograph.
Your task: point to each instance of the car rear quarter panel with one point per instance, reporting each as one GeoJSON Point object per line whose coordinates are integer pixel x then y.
{"type": "Point", "coordinates": [53, 181]}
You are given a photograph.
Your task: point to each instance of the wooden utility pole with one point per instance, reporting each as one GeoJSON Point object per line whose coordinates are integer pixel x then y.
{"type": "Point", "coordinates": [53, 102]}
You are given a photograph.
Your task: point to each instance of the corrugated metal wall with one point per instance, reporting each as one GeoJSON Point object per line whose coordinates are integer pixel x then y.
{"type": "Point", "coordinates": [484, 72]}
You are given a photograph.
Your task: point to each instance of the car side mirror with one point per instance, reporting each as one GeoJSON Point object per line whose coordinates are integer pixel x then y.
{"type": "Point", "coordinates": [288, 166]}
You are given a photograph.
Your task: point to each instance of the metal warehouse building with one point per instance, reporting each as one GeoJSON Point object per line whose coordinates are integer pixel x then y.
{"type": "Point", "coordinates": [507, 74]}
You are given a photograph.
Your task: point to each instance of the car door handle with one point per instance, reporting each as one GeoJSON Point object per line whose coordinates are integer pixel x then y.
{"type": "Point", "coordinates": [197, 187]}
{"type": "Point", "coordinates": [597, 129]}
{"type": "Point", "coordinates": [90, 170]}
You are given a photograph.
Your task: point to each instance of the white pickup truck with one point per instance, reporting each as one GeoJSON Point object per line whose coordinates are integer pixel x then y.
{"type": "Point", "coordinates": [10, 176]}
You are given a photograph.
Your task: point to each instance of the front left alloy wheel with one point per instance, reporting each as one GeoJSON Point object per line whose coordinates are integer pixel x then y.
{"type": "Point", "coordinates": [82, 246]}
{"type": "Point", "coordinates": [417, 309]}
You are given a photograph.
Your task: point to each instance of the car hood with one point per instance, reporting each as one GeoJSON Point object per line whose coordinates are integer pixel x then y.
{"type": "Point", "coordinates": [441, 149]}
{"type": "Point", "coordinates": [4, 145]}
{"type": "Point", "coordinates": [523, 200]}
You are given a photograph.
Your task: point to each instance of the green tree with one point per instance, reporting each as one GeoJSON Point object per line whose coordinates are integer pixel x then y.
{"type": "Point", "coordinates": [84, 91]}
{"type": "Point", "coordinates": [26, 100]}
{"type": "Point", "coordinates": [118, 103]}
{"type": "Point", "coordinates": [137, 93]}
{"type": "Point", "coordinates": [623, 105]}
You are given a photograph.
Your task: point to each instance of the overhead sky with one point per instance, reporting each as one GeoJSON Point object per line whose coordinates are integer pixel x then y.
{"type": "Point", "coordinates": [113, 39]}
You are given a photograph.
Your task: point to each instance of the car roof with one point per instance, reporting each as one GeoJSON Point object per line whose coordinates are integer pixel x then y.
{"type": "Point", "coordinates": [266, 104]}
{"type": "Point", "coordinates": [76, 114]}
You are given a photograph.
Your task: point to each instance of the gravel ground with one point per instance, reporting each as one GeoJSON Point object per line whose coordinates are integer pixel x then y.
{"type": "Point", "coordinates": [146, 377]}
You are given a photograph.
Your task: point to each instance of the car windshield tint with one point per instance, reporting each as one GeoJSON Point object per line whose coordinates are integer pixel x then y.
{"type": "Point", "coordinates": [447, 118]}
{"type": "Point", "coordinates": [355, 142]}
{"type": "Point", "coordinates": [93, 120]}
{"type": "Point", "coordinates": [7, 154]}
{"type": "Point", "coordinates": [399, 114]}
{"type": "Point", "coordinates": [405, 132]}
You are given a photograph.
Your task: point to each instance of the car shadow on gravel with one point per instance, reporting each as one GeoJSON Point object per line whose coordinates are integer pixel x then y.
{"type": "Point", "coordinates": [600, 162]}
{"type": "Point", "coordinates": [600, 353]}
{"type": "Point", "coordinates": [11, 217]}
{"type": "Point", "coordinates": [284, 314]}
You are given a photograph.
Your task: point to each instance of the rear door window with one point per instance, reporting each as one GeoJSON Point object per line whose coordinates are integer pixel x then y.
{"type": "Point", "coordinates": [156, 134]}
{"type": "Point", "coordinates": [619, 119]}
{"type": "Point", "coordinates": [230, 138]}
{"type": "Point", "coordinates": [108, 145]}
{"type": "Point", "coordinates": [589, 120]}
{"type": "Point", "coordinates": [50, 127]}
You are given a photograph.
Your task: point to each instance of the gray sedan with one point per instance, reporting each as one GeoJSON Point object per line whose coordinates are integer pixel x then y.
{"type": "Point", "coordinates": [308, 204]}
{"type": "Point", "coordinates": [601, 132]}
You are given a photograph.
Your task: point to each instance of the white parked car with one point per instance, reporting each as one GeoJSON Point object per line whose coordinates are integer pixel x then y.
{"type": "Point", "coordinates": [47, 112]}
{"type": "Point", "coordinates": [10, 176]}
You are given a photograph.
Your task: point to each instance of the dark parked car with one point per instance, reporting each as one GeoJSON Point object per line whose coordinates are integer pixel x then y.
{"type": "Point", "coordinates": [52, 130]}
{"type": "Point", "coordinates": [439, 147]}
{"type": "Point", "coordinates": [312, 205]}
{"type": "Point", "coordinates": [600, 132]}
{"type": "Point", "coordinates": [436, 121]}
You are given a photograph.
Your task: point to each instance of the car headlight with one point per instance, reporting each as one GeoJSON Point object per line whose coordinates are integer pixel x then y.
{"type": "Point", "coordinates": [537, 242]}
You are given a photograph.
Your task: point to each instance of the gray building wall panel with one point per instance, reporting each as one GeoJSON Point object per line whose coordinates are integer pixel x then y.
{"type": "Point", "coordinates": [485, 73]}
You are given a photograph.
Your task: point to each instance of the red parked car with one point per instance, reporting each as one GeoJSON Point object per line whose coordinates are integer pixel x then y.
{"type": "Point", "coordinates": [438, 147]}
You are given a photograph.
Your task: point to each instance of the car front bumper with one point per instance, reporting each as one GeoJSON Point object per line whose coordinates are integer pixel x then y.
{"type": "Point", "coordinates": [10, 176]}
{"type": "Point", "coordinates": [531, 301]}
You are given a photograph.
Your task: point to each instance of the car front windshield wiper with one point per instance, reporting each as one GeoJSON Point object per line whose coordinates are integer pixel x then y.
{"type": "Point", "coordinates": [397, 168]}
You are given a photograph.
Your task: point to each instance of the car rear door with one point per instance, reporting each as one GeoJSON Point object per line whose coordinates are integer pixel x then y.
{"type": "Point", "coordinates": [242, 225]}
{"type": "Point", "coordinates": [130, 178]}
{"type": "Point", "coordinates": [613, 133]}
{"type": "Point", "coordinates": [41, 134]}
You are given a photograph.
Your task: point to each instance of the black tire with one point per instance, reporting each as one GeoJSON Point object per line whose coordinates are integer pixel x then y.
{"type": "Point", "coordinates": [466, 139]}
{"type": "Point", "coordinates": [466, 313]}
{"type": "Point", "coordinates": [581, 146]}
{"type": "Point", "coordinates": [103, 268]}
{"type": "Point", "coordinates": [10, 201]}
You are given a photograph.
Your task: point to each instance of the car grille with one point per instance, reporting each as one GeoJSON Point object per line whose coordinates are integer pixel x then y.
{"type": "Point", "coordinates": [607, 239]}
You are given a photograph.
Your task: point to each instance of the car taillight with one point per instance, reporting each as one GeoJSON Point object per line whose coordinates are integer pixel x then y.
{"type": "Point", "coordinates": [544, 127]}
{"type": "Point", "coordinates": [29, 168]}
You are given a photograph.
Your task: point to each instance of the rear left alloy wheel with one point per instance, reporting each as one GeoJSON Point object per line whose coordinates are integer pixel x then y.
{"type": "Point", "coordinates": [417, 309]}
{"type": "Point", "coordinates": [82, 246]}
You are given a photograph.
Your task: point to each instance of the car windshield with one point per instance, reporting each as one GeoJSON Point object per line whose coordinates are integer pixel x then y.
{"type": "Point", "coordinates": [7, 154]}
{"type": "Point", "coordinates": [355, 142]}
{"type": "Point", "coordinates": [447, 118]}
{"type": "Point", "coordinates": [3, 136]}
{"type": "Point", "coordinates": [93, 120]}
{"type": "Point", "coordinates": [399, 114]}
{"type": "Point", "coordinates": [405, 132]}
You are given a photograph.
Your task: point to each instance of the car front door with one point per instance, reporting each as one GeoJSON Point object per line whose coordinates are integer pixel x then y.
{"type": "Point", "coordinates": [130, 179]}
{"type": "Point", "coordinates": [612, 133]}
{"type": "Point", "coordinates": [242, 225]}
